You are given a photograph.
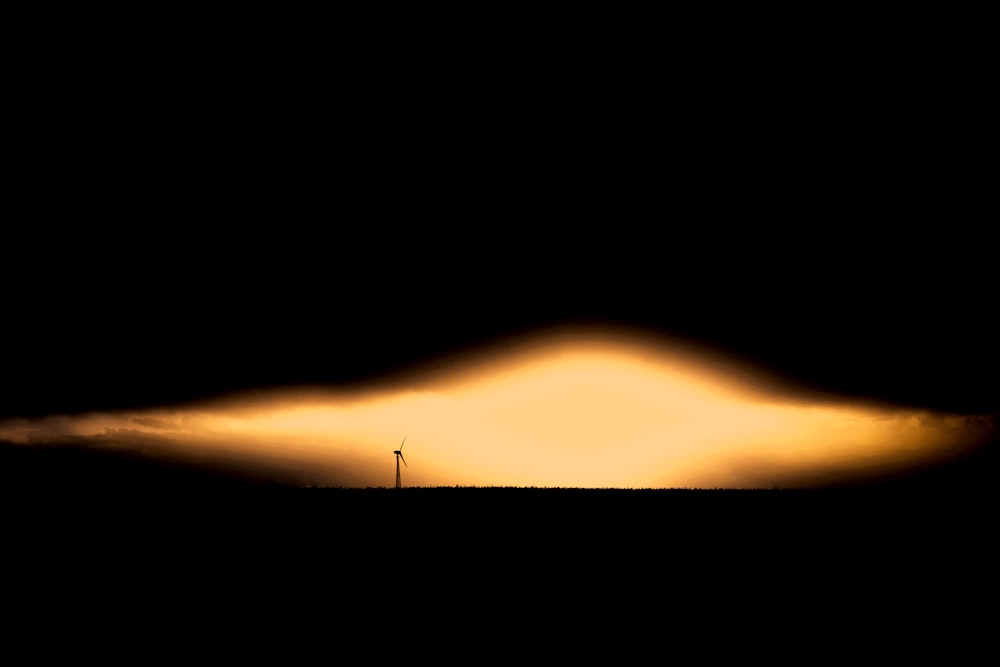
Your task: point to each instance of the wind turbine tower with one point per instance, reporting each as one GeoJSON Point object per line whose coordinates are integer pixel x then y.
{"type": "Point", "coordinates": [399, 455]}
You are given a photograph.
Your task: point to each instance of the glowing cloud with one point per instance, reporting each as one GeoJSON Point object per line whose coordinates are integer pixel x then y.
{"type": "Point", "coordinates": [593, 407]}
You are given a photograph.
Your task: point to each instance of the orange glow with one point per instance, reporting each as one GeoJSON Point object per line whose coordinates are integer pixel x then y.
{"type": "Point", "coordinates": [568, 408]}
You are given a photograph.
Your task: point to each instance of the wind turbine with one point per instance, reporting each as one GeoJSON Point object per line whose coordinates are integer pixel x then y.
{"type": "Point", "coordinates": [399, 455]}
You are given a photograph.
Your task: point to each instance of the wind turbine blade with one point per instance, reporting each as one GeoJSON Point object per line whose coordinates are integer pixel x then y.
{"type": "Point", "coordinates": [402, 443]}
{"type": "Point", "coordinates": [404, 460]}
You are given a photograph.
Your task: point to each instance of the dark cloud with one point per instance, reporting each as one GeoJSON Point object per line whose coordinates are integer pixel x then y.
{"type": "Point", "coordinates": [154, 422]}
{"type": "Point", "coordinates": [798, 265]}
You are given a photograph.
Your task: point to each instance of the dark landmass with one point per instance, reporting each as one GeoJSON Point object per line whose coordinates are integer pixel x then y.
{"type": "Point", "coordinates": [61, 488]}
{"type": "Point", "coordinates": [111, 552]}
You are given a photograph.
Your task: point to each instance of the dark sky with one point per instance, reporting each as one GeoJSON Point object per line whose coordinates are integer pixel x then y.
{"type": "Point", "coordinates": [184, 230]}
{"type": "Point", "coordinates": [154, 311]}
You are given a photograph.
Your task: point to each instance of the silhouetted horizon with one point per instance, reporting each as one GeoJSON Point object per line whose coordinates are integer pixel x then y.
{"type": "Point", "coordinates": [74, 467]}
